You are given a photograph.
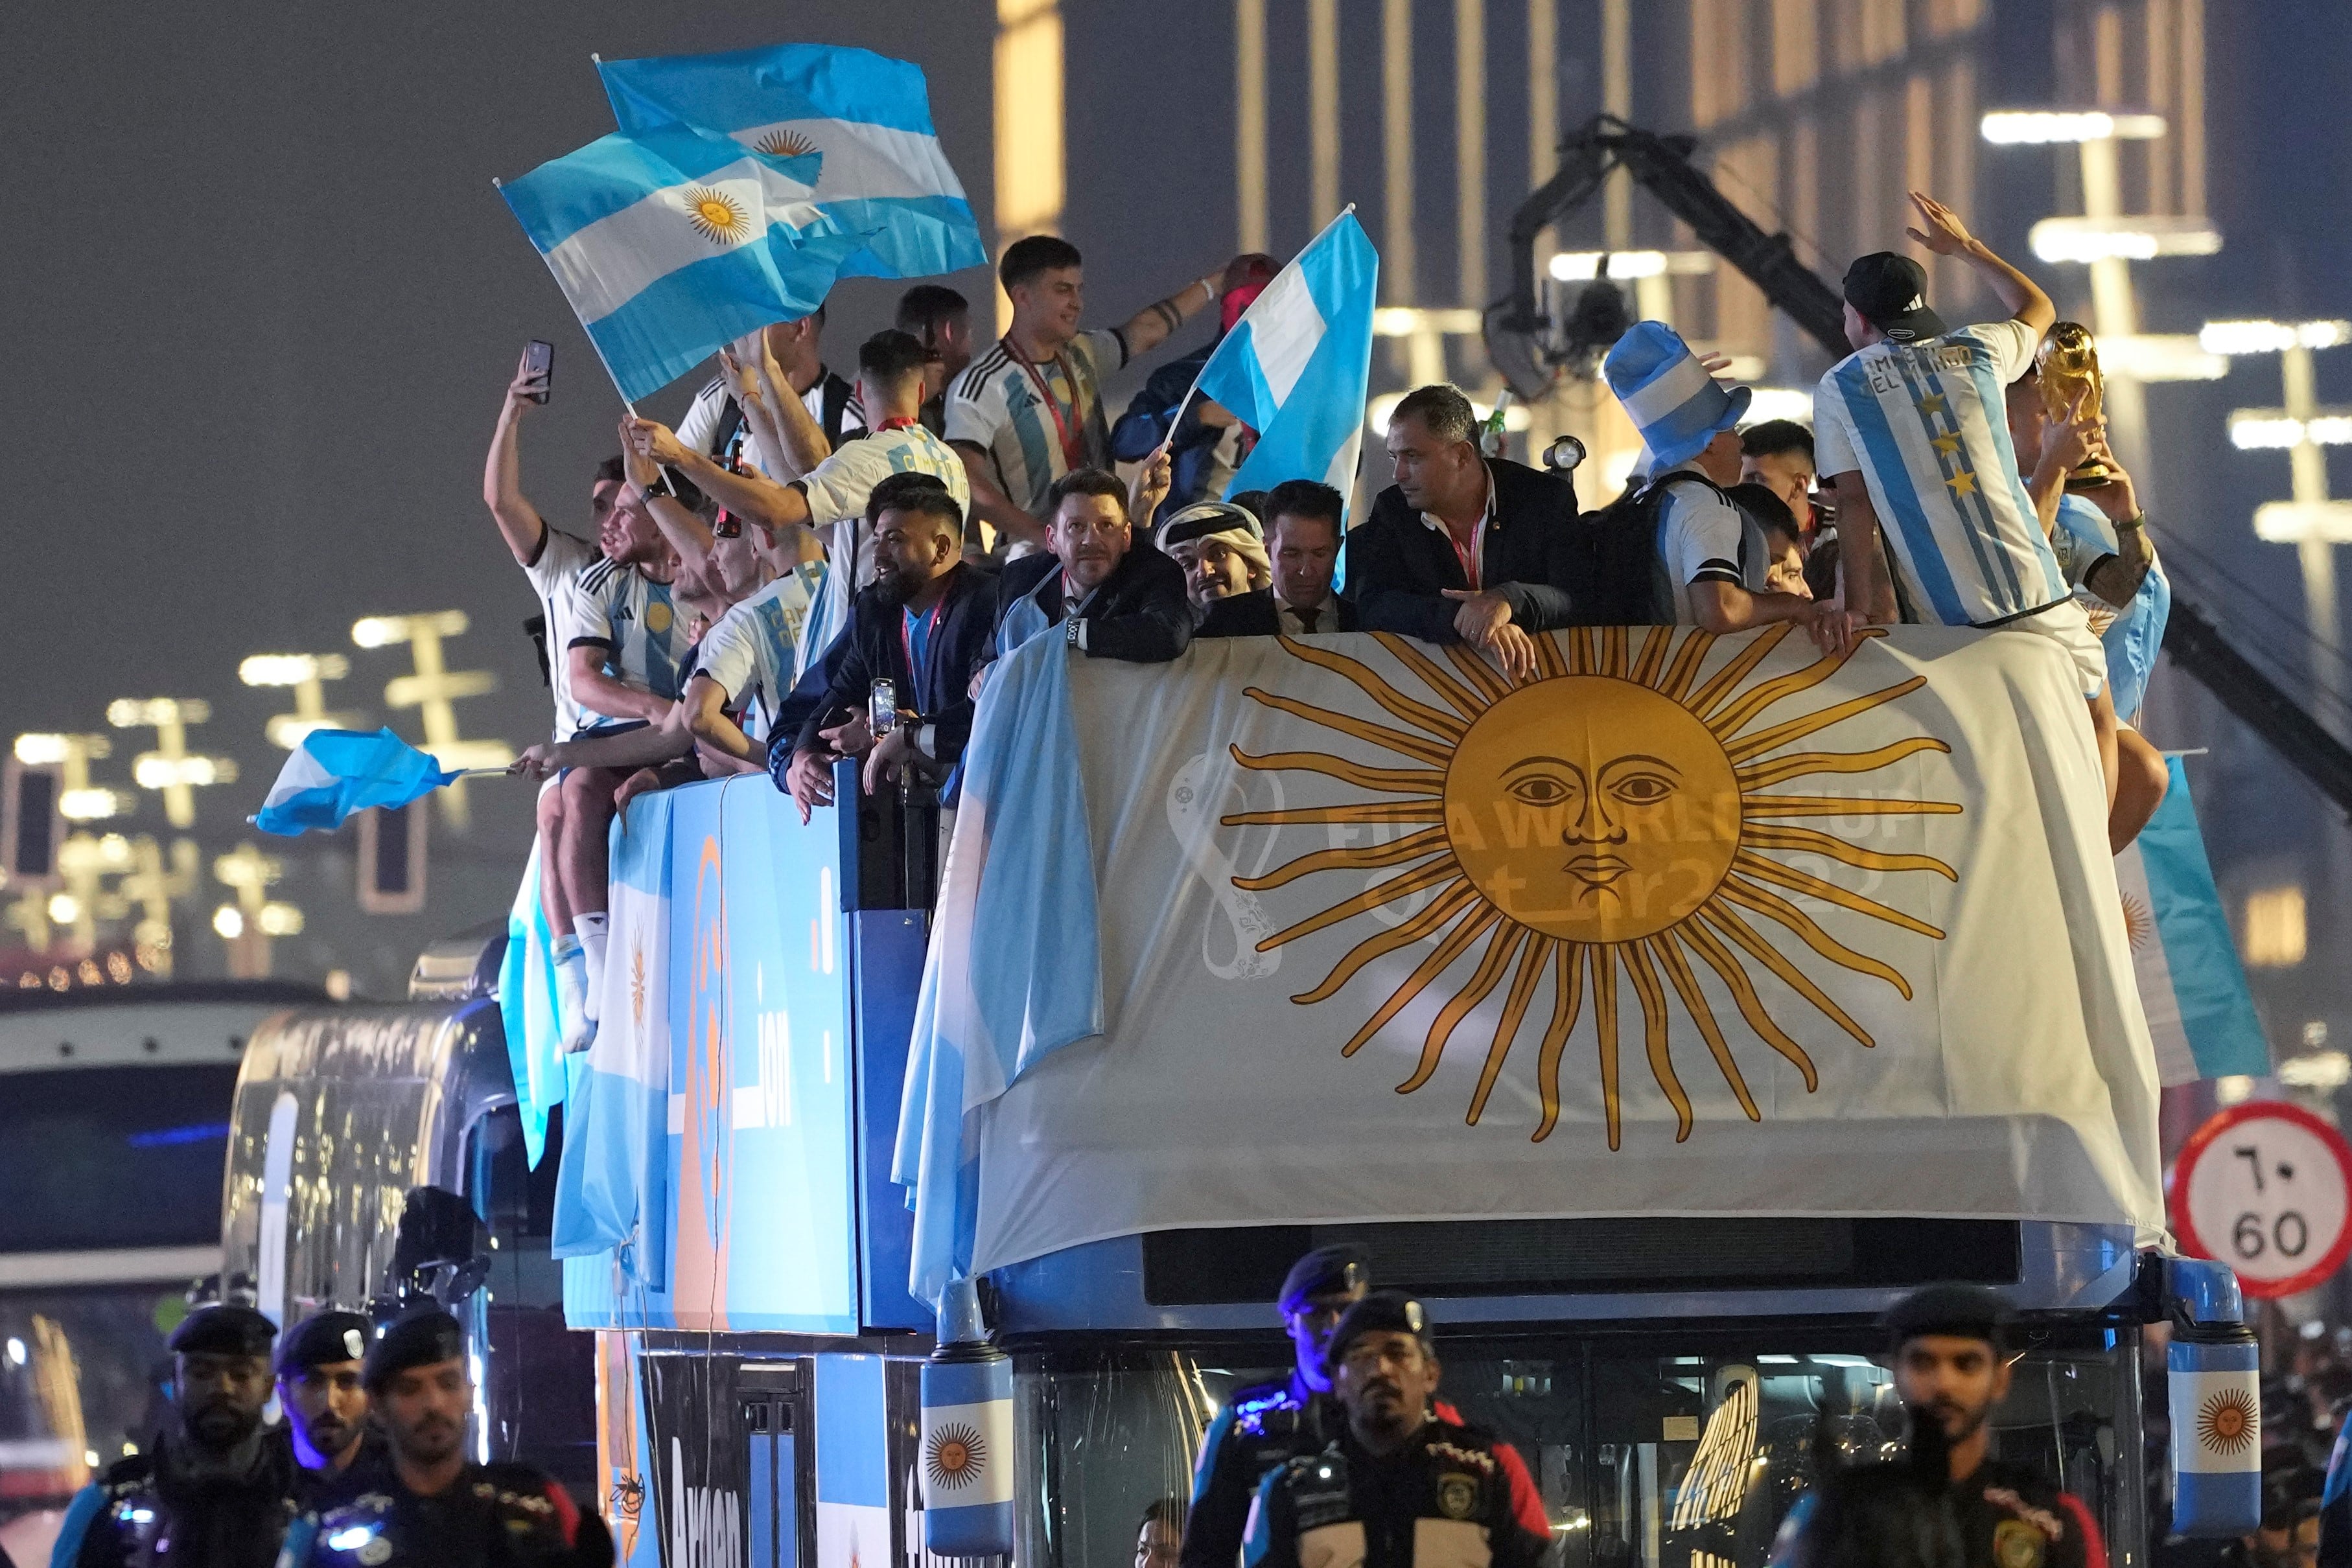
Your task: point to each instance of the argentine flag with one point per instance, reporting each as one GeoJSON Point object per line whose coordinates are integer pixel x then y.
{"type": "Point", "coordinates": [980, 1027]}
{"type": "Point", "coordinates": [2199, 1012]}
{"type": "Point", "coordinates": [669, 244]}
{"type": "Point", "coordinates": [335, 772]}
{"type": "Point", "coordinates": [612, 1189]}
{"type": "Point", "coordinates": [870, 116]}
{"type": "Point", "coordinates": [1296, 368]}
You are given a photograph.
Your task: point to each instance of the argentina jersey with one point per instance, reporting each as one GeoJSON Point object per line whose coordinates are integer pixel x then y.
{"type": "Point", "coordinates": [1925, 426]}
{"type": "Point", "coordinates": [750, 652]}
{"type": "Point", "coordinates": [632, 619]}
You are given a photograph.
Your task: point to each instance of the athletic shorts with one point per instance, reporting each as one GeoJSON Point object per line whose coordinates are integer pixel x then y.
{"type": "Point", "coordinates": [2069, 625]}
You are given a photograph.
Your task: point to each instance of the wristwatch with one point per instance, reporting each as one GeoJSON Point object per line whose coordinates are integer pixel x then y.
{"type": "Point", "coordinates": [660, 487]}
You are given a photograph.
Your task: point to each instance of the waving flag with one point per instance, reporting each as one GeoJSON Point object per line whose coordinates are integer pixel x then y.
{"type": "Point", "coordinates": [870, 118]}
{"type": "Point", "coordinates": [2200, 1015]}
{"type": "Point", "coordinates": [979, 1027]}
{"type": "Point", "coordinates": [335, 772]}
{"type": "Point", "coordinates": [612, 1189]}
{"type": "Point", "coordinates": [1298, 366]}
{"type": "Point", "coordinates": [668, 243]}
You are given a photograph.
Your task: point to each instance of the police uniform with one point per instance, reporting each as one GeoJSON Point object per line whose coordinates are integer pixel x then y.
{"type": "Point", "coordinates": [489, 1517]}
{"type": "Point", "coordinates": [176, 1504]}
{"type": "Point", "coordinates": [1263, 1425]}
{"type": "Point", "coordinates": [1450, 1496]}
{"type": "Point", "coordinates": [324, 1339]}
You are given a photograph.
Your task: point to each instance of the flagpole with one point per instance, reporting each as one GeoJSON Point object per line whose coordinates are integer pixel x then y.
{"type": "Point", "coordinates": [1191, 390]}
{"type": "Point", "coordinates": [500, 185]}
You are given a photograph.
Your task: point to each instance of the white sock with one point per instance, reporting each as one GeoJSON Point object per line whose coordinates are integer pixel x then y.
{"type": "Point", "coordinates": [592, 930]}
{"type": "Point", "coordinates": [571, 993]}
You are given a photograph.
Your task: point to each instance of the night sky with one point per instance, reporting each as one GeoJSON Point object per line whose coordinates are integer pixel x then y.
{"type": "Point", "coordinates": [262, 300]}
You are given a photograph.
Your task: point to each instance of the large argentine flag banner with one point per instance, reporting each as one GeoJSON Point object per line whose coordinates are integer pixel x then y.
{"type": "Point", "coordinates": [668, 243]}
{"type": "Point", "coordinates": [979, 1027]}
{"type": "Point", "coordinates": [2200, 1014]}
{"type": "Point", "coordinates": [1297, 365]}
{"type": "Point", "coordinates": [1683, 924]}
{"type": "Point", "coordinates": [869, 116]}
{"type": "Point", "coordinates": [613, 1188]}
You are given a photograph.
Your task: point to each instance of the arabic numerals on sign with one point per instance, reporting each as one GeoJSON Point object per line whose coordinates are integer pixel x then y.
{"type": "Point", "coordinates": [2266, 1187]}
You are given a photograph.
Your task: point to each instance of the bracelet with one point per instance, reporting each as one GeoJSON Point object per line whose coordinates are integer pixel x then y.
{"type": "Point", "coordinates": [2138, 520]}
{"type": "Point", "coordinates": [1209, 281]}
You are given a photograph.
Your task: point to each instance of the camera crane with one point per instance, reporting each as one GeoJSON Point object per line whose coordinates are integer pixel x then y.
{"type": "Point", "coordinates": [1530, 347]}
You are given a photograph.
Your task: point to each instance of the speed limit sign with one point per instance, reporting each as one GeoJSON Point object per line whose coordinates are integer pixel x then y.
{"type": "Point", "coordinates": [2266, 1187]}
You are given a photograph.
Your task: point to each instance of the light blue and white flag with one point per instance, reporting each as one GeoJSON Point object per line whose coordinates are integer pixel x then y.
{"type": "Point", "coordinates": [669, 243]}
{"type": "Point", "coordinates": [2199, 1013]}
{"type": "Point", "coordinates": [977, 1027]}
{"type": "Point", "coordinates": [613, 1188]}
{"type": "Point", "coordinates": [526, 1010]}
{"type": "Point", "coordinates": [335, 772]}
{"type": "Point", "coordinates": [1296, 368]}
{"type": "Point", "coordinates": [870, 116]}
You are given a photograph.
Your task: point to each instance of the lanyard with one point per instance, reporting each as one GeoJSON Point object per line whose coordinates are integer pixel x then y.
{"type": "Point", "coordinates": [915, 669]}
{"type": "Point", "coordinates": [1074, 448]}
{"type": "Point", "coordinates": [897, 422]}
{"type": "Point", "coordinates": [1467, 554]}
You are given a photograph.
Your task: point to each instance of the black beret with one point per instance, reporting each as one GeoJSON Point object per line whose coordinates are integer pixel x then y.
{"type": "Point", "coordinates": [1963, 1312]}
{"type": "Point", "coordinates": [325, 1337]}
{"type": "Point", "coordinates": [223, 1329]}
{"type": "Point", "coordinates": [1204, 518]}
{"type": "Point", "coordinates": [1342, 1267]}
{"type": "Point", "coordinates": [423, 1338]}
{"type": "Point", "coordinates": [1388, 1310]}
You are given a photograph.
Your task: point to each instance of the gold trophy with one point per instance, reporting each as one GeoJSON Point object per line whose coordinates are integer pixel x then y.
{"type": "Point", "coordinates": [2068, 362]}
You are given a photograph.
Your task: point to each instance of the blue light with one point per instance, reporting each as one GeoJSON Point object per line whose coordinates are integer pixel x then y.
{"type": "Point", "coordinates": [351, 1539]}
{"type": "Point", "coordinates": [141, 1516]}
{"type": "Point", "coordinates": [163, 1137]}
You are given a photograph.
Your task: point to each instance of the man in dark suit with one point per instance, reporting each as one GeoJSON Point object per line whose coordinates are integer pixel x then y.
{"type": "Point", "coordinates": [1096, 590]}
{"type": "Point", "coordinates": [922, 625]}
{"type": "Point", "coordinates": [1304, 543]}
{"type": "Point", "coordinates": [1463, 547]}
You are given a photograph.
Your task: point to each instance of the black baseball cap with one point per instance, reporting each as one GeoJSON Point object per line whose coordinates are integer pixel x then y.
{"type": "Point", "coordinates": [223, 1329]}
{"type": "Point", "coordinates": [1962, 1312]}
{"type": "Point", "coordinates": [424, 1338]}
{"type": "Point", "coordinates": [322, 1339]}
{"type": "Point", "coordinates": [1390, 1311]}
{"type": "Point", "coordinates": [1342, 1266]}
{"type": "Point", "coordinates": [1890, 292]}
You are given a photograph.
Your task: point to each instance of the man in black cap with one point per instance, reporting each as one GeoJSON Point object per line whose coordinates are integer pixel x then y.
{"type": "Point", "coordinates": [321, 1383]}
{"type": "Point", "coordinates": [1264, 1424]}
{"type": "Point", "coordinates": [216, 1487]}
{"type": "Point", "coordinates": [1911, 431]}
{"type": "Point", "coordinates": [1947, 1346]}
{"type": "Point", "coordinates": [434, 1506]}
{"type": "Point", "coordinates": [1400, 1479]}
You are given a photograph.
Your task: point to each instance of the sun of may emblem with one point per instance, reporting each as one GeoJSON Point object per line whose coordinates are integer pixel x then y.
{"type": "Point", "coordinates": [780, 143]}
{"type": "Point", "coordinates": [955, 1455]}
{"type": "Point", "coordinates": [2227, 1422]}
{"type": "Point", "coordinates": [716, 215]}
{"type": "Point", "coordinates": [1615, 821]}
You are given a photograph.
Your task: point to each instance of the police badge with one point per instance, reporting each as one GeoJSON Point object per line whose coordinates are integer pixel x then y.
{"type": "Point", "coordinates": [2017, 1544]}
{"type": "Point", "coordinates": [1457, 1497]}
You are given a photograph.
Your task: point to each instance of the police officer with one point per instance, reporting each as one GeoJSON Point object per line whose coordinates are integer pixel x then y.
{"type": "Point", "coordinates": [1266, 1423]}
{"type": "Point", "coordinates": [1948, 1348]}
{"type": "Point", "coordinates": [321, 1383]}
{"type": "Point", "coordinates": [433, 1505]}
{"type": "Point", "coordinates": [215, 1487]}
{"type": "Point", "coordinates": [1400, 1479]}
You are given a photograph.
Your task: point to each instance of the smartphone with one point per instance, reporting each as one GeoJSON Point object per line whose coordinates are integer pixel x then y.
{"type": "Point", "coordinates": [538, 366]}
{"type": "Point", "coordinates": [882, 708]}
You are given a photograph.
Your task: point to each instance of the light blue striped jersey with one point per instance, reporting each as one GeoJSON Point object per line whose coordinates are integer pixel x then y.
{"type": "Point", "coordinates": [1926, 425]}
{"type": "Point", "coordinates": [2132, 635]}
{"type": "Point", "coordinates": [632, 618]}
{"type": "Point", "coordinates": [998, 403]}
{"type": "Point", "coordinates": [749, 652]}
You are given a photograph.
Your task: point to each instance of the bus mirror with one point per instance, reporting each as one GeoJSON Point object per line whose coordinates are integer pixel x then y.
{"type": "Point", "coordinates": [442, 1252]}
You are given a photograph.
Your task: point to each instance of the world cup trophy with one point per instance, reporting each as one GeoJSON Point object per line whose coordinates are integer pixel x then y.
{"type": "Point", "coordinates": [2068, 363]}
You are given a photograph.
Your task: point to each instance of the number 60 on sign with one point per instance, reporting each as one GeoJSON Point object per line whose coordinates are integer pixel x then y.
{"type": "Point", "coordinates": [2265, 1188]}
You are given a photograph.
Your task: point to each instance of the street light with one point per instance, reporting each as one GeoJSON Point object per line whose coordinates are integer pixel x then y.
{"type": "Point", "coordinates": [2041, 127]}
{"type": "Point", "coordinates": [2132, 239]}
{"type": "Point", "coordinates": [307, 673]}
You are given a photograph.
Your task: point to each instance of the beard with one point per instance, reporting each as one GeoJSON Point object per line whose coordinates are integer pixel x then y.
{"type": "Point", "coordinates": [218, 1424]}
{"type": "Point", "coordinates": [897, 584]}
{"type": "Point", "coordinates": [432, 1439]}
